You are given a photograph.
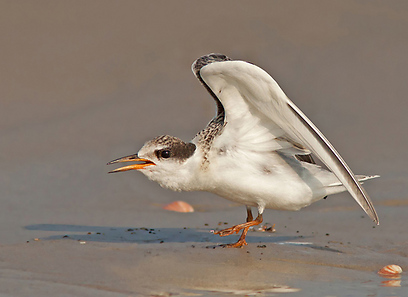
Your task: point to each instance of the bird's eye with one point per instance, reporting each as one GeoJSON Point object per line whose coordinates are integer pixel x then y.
{"type": "Point", "coordinates": [165, 154]}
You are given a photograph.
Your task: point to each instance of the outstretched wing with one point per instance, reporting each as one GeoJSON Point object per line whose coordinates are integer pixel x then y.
{"type": "Point", "coordinates": [260, 116]}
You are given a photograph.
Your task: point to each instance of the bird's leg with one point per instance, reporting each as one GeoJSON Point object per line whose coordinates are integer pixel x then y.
{"type": "Point", "coordinates": [235, 229]}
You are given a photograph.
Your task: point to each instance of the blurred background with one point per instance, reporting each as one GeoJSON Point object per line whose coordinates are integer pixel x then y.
{"type": "Point", "coordinates": [85, 82]}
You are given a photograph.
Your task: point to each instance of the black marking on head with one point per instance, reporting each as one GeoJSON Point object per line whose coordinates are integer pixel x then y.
{"type": "Point", "coordinates": [174, 148]}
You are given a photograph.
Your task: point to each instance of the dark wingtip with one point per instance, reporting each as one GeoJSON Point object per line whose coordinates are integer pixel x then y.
{"type": "Point", "coordinates": [208, 59]}
{"type": "Point", "coordinates": [197, 66]}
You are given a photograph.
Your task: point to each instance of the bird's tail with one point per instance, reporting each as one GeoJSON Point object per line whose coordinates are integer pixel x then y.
{"type": "Point", "coordinates": [337, 187]}
{"type": "Point", "coordinates": [361, 178]}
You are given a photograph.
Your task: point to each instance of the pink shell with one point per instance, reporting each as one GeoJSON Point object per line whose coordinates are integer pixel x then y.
{"type": "Point", "coordinates": [390, 270]}
{"type": "Point", "coordinates": [179, 206]}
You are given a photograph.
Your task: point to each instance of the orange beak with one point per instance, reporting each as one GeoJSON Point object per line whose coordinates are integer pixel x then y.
{"type": "Point", "coordinates": [131, 158]}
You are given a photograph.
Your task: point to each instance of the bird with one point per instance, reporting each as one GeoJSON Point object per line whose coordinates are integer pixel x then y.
{"type": "Point", "coordinates": [258, 150]}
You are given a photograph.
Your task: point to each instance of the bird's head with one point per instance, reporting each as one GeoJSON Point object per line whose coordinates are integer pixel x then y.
{"type": "Point", "coordinates": [163, 159]}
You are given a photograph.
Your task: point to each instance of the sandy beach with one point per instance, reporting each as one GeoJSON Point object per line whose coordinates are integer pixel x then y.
{"type": "Point", "coordinates": [85, 82]}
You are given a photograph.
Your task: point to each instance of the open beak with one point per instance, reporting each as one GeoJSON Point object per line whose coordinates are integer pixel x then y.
{"type": "Point", "coordinates": [132, 158]}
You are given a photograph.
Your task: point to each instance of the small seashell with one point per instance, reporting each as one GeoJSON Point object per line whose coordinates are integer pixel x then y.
{"type": "Point", "coordinates": [390, 270]}
{"type": "Point", "coordinates": [179, 206]}
{"type": "Point", "coordinates": [267, 228]}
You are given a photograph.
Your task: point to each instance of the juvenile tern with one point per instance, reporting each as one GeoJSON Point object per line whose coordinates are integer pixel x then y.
{"type": "Point", "coordinates": [256, 151]}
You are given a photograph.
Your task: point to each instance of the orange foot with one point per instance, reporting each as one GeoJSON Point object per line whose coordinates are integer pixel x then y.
{"type": "Point", "coordinates": [239, 244]}
{"type": "Point", "coordinates": [235, 229]}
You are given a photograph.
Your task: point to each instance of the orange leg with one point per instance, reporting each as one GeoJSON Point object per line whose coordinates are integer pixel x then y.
{"type": "Point", "coordinates": [235, 229]}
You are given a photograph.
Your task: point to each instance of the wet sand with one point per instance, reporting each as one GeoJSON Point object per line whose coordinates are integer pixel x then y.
{"type": "Point", "coordinates": [86, 82]}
